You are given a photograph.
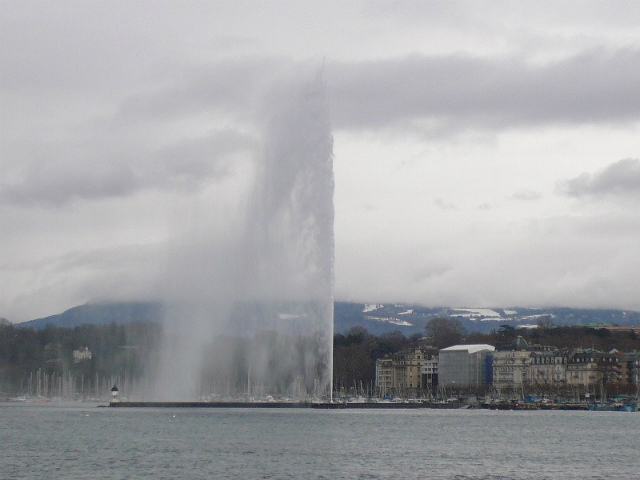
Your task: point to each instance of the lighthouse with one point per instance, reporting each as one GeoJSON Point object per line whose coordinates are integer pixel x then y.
{"type": "Point", "coordinates": [114, 394]}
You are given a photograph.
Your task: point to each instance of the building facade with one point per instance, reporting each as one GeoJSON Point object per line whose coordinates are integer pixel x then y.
{"type": "Point", "coordinates": [548, 368]}
{"type": "Point", "coordinates": [511, 368]}
{"type": "Point", "coordinates": [409, 373]}
{"type": "Point", "coordinates": [590, 367]}
{"type": "Point", "coordinates": [630, 368]}
{"type": "Point", "coordinates": [465, 365]}
{"type": "Point", "coordinates": [523, 369]}
{"type": "Point", "coordinates": [545, 369]}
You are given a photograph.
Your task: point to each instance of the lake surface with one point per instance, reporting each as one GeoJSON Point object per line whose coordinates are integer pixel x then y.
{"type": "Point", "coordinates": [80, 441]}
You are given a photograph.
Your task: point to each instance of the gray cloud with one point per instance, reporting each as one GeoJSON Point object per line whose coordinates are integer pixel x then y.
{"type": "Point", "coordinates": [621, 178]}
{"type": "Point", "coordinates": [526, 195]}
{"type": "Point", "coordinates": [447, 93]}
{"type": "Point", "coordinates": [590, 260]}
{"type": "Point", "coordinates": [229, 87]}
{"type": "Point", "coordinates": [444, 205]}
{"type": "Point", "coordinates": [428, 94]}
{"type": "Point", "coordinates": [189, 162]}
{"type": "Point", "coordinates": [55, 174]}
{"type": "Point", "coordinates": [61, 178]}
{"type": "Point", "coordinates": [127, 272]}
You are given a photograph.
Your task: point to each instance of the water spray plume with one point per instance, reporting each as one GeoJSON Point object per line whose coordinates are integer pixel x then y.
{"type": "Point", "coordinates": [254, 316]}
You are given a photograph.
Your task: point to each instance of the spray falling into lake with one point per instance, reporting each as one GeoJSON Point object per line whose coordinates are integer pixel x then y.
{"type": "Point", "coordinates": [250, 295]}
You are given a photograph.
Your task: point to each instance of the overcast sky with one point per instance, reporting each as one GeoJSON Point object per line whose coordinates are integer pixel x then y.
{"type": "Point", "coordinates": [486, 154]}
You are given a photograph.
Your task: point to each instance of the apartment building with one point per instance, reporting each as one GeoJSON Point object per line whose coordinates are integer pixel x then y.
{"type": "Point", "coordinates": [407, 373]}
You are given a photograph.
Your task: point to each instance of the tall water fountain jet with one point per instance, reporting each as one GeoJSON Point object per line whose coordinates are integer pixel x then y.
{"type": "Point", "coordinates": [255, 314]}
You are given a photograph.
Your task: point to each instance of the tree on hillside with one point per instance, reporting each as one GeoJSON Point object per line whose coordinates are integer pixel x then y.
{"type": "Point", "coordinates": [445, 332]}
{"type": "Point", "coordinates": [546, 322]}
{"type": "Point", "coordinates": [507, 334]}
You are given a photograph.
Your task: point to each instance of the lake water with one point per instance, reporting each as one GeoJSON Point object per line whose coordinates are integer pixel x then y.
{"type": "Point", "coordinates": [81, 441]}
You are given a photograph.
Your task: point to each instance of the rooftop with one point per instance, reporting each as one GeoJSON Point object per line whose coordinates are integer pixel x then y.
{"type": "Point", "coordinates": [470, 348]}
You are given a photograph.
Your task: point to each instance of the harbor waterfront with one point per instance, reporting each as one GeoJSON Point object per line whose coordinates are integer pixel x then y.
{"type": "Point", "coordinates": [78, 440]}
{"type": "Point", "coordinates": [356, 405]}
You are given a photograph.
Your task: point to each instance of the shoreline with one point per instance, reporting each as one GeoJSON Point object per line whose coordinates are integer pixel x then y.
{"type": "Point", "coordinates": [352, 406]}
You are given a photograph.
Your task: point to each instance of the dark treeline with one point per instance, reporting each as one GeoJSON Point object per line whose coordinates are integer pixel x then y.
{"type": "Point", "coordinates": [561, 337]}
{"type": "Point", "coordinates": [41, 361]}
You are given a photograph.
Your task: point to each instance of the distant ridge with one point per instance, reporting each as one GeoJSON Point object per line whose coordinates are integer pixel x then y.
{"type": "Point", "coordinates": [378, 319]}
{"type": "Point", "coordinates": [410, 319]}
{"type": "Point", "coordinates": [100, 314]}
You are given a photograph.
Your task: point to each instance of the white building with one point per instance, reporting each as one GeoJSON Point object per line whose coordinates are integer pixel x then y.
{"type": "Point", "coordinates": [465, 365]}
{"type": "Point", "coordinates": [82, 354]}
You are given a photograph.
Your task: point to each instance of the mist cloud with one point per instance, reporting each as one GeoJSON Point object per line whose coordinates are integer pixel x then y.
{"type": "Point", "coordinates": [620, 179]}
